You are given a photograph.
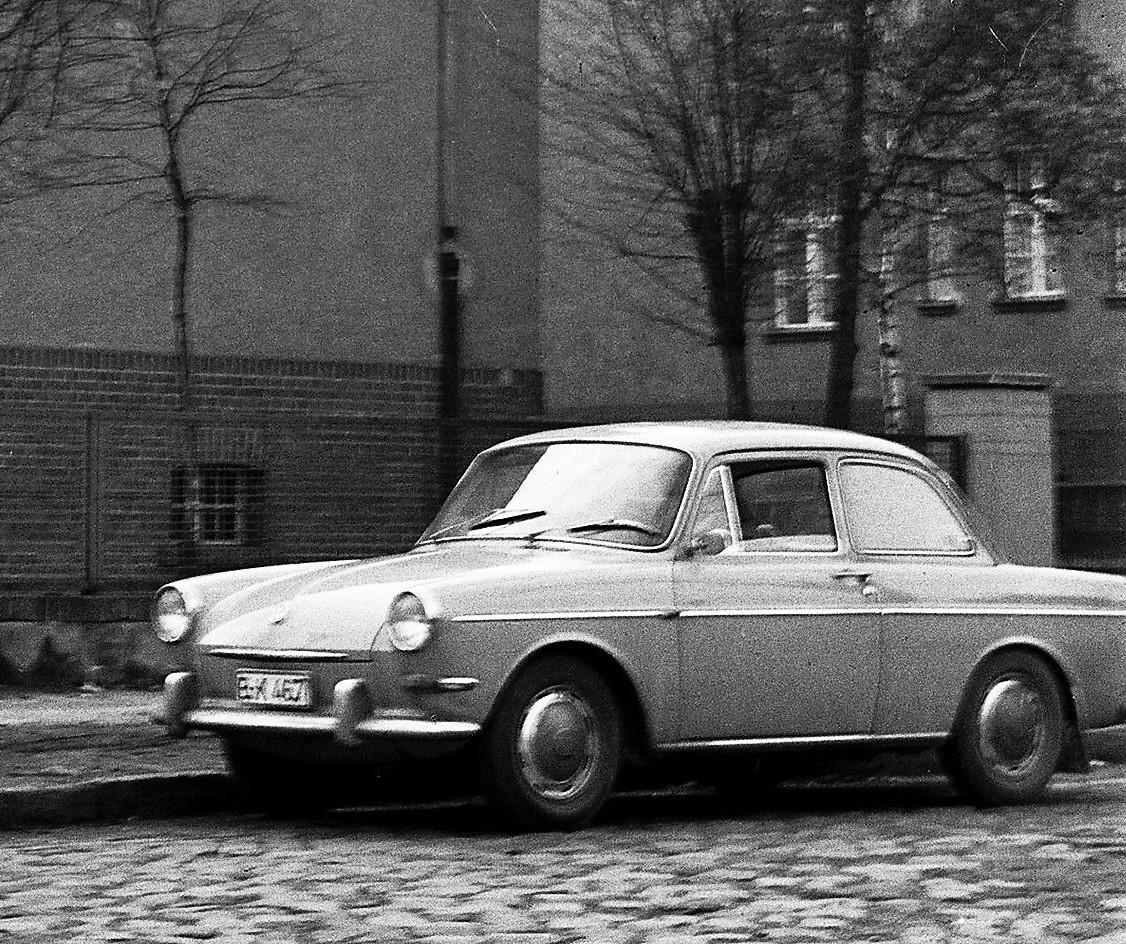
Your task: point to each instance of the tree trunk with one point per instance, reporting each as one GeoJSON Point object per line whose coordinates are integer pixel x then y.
{"type": "Point", "coordinates": [182, 335]}
{"type": "Point", "coordinates": [181, 327]}
{"type": "Point", "coordinates": [716, 224]}
{"type": "Point", "coordinates": [854, 172]}
{"type": "Point", "coordinates": [737, 399]}
{"type": "Point", "coordinates": [893, 387]}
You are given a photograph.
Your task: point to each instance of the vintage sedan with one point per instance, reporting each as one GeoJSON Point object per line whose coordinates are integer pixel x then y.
{"type": "Point", "coordinates": [703, 590]}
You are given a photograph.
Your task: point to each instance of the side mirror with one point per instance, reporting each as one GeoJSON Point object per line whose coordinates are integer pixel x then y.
{"type": "Point", "coordinates": [709, 543]}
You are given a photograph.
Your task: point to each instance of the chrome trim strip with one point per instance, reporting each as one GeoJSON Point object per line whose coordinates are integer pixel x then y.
{"type": "Point", "coordinates": [277, 722]}
{"type": "Point", "coordinates": [818, 740]}
{"type": "Point", "coordinates": [457, 684]}
{"type": "Point", "coordinates": [852, 611]}
{"type": "Point", "coordinates": [427, 683]}
{"type": "Point", "coordinates": [375, 728]}
{"type": "Point", "coordinates": [246, 719]}
{"type": "Point", "coordinates": [893, 552]}
{"type": "Point", "coordinates": [783, 611]}
{"type": "Point", "coordinates": [996, 611]}
{"type": "Point", "coordinates": [578, 614]}
{"type": "Point", "coordinates": [282, 655]}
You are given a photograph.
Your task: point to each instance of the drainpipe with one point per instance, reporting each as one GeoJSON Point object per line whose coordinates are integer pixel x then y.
{"type": "Point", "coordinates": [448, 270]}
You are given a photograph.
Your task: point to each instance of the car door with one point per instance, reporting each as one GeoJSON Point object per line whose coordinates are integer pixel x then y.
{"type": "Point", "coordinates": [909, 535]}
{"type": "Point", "coordinates": [778, 635]}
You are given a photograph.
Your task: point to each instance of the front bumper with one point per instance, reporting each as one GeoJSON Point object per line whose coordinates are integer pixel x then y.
{"type": "Point", "coordinates": [351, 722]}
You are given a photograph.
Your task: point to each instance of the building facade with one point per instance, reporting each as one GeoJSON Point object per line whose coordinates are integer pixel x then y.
{"type": "Point", "coordinates": [314, 316]}
{"type": "Point", "coordinates": [1053, 315]}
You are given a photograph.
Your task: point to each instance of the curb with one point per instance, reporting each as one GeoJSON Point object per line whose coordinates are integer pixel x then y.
{"type": "Point", "coordinates": [120, 798]}
{"type": "Point", "coordinates": [157, 796]}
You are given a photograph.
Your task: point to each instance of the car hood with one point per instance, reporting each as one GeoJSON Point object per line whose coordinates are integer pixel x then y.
{"type": "Point", "coordinates": [341, 606]}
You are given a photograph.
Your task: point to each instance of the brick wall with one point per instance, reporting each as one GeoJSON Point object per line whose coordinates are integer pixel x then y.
{"type": "Point", "coordinates": [349, 455]}
{"type": "Point", "coordinates": [54, 378]}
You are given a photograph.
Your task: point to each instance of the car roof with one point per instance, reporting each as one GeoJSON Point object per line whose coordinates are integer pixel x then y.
{"type": "Point", "coordinates": [704, 438]}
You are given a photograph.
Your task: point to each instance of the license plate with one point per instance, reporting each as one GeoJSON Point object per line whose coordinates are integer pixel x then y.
{"type": "Point", "coordinates": [274, 688]}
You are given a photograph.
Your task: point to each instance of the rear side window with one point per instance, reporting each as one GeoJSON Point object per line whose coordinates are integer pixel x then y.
{"type": "Point", "coordinates": [891, 509]}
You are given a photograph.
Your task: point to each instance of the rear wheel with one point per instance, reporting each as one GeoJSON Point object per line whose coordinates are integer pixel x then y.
{"type": "Point", "coordinates": [551, 753]}
{"type": "Point", "coordinates": [1010, 731]}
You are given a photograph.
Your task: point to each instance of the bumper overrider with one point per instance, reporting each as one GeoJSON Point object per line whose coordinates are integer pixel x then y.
{"type": "Point", "coordinates": [351, 722]}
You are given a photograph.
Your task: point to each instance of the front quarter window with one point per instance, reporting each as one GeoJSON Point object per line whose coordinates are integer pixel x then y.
{"type": "Point", "coordinates": [613, 493]}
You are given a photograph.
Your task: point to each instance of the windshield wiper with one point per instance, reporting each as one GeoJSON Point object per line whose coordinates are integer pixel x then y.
{"type": "Point", "coordinates": [623, 524]}
{"type": "Point", "coordinates": [485, 519]}
{"type": "Point", "coordinates": [498, 516]}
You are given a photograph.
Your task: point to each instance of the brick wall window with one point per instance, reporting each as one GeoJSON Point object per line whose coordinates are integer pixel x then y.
{"type": "Point", "coordinates": [217, 505]}
{"type": "Point", "coordinates": [1118, 258]}
{"type": "Point", "coordinates": [1092, 524]}
{"type": "Point", "coordinates": [1032, 239]}
{"type": "Point", "coordinates": [805, 273]}
{"type": "Point", "coordinates": [938, 239]}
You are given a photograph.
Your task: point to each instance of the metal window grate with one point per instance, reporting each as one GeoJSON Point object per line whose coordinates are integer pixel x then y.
{"type": "Point", "coordinates": [217, 504]}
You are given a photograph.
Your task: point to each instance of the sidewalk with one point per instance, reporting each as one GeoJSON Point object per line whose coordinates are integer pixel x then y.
{"type": "Point", "coordinates": [97, 755]}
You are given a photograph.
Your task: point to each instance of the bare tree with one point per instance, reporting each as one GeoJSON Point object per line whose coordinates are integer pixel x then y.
{"type": "Point", "coordinates": [699, 127]}
{"type": "Point", "coordinates": [676, 120]}
{"type": "Point", "coordinates": [934, 103]}
{"type": "Point", "coordinates": [35, 57]}
{"type": "Point", "coordinates": [152, 72]}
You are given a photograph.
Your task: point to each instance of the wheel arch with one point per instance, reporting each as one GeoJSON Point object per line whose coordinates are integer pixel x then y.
{"type": "Point", "coordinates": [1074, 757]}
{"type": "Point", "coordinates": [634, 718]}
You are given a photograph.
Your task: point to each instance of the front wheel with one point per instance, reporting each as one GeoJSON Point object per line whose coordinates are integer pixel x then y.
{"type": "Point", "coordinates": [1009, 735]}
{"type": "Point", "coordinates": [552, 752]}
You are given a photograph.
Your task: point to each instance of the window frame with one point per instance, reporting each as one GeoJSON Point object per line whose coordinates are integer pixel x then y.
{"type": "Point", "coordinates": [940, 288]}
{"type": "Point", "coordinates": [1033, 248]}
{"type": "Point", "coordinates": [189, 514]}
{"type": "Point", "coordinates": [1117, 287]}
{"type": "Point", "coordinates": [817, 276]}
{"type": "Point", "coordinates": [974, 548]}
{"type": "Point", "coordinates": [734, 526]}
{"type": "Point", "coordinates": [738, 547]}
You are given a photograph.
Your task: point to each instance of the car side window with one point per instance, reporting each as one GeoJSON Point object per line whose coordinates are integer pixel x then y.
{"type": "Point", "coordinates": [783, 506]}
{"type": "Point", "coordinates": [711, 511]}
{"type": "Point", "coordinates": [891, 509]}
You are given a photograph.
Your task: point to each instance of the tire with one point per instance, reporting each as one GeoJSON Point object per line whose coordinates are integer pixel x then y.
{"type": "Point", "coordinates": [276, 784]}
{"type": "Point", "coordinates": [551, 754]}
{"type": "Point", "coordinates": [1010, 731]}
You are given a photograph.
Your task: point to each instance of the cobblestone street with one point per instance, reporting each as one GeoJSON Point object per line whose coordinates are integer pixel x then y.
{"type": "Point", "coordinates": [874, 863]}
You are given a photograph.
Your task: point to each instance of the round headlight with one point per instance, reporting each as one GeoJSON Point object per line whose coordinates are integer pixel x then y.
{"type": "Point", "coordinates": [408, 626]}
{"type": "Point", "coordinates": [172, 615]}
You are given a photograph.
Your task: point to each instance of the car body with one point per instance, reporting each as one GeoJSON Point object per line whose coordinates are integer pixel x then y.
{"type": "Point", "coordinates": [711, 590]}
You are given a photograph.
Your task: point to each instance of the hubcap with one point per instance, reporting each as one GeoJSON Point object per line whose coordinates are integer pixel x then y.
{"type": "Point", "coordinates": [1013, 726]}
{"type": "Point", "coordinates": [558, 744]}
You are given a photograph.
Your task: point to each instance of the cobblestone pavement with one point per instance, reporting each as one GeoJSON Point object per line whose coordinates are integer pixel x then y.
{"type": "Point", "coordinates": [878, 863]}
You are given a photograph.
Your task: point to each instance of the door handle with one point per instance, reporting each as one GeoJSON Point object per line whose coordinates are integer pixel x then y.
{"type": "Point", "coordinates": [859, 576]}
{"type": "Point", "coordinates": [861, 579]}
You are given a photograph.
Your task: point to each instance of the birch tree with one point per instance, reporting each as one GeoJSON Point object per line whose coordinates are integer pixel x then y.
{"type": "Point", "coordinates": [934, 103]}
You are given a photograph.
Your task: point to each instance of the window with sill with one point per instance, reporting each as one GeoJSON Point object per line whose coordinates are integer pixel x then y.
{"type": "Point", "coordinates": [1118, 257]}
{"type": "Point", "coordinates": [938, 251]}
{"type": "Point", "coordinates": [217, 505]}
{"type": "Point", "coordinates": [805, 274]}
{"type": "Point", "coordinates": [1032, 241]}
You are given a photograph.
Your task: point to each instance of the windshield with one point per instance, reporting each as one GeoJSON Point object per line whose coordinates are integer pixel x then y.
{"type": "Point", "coordinates": [614, 493]}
